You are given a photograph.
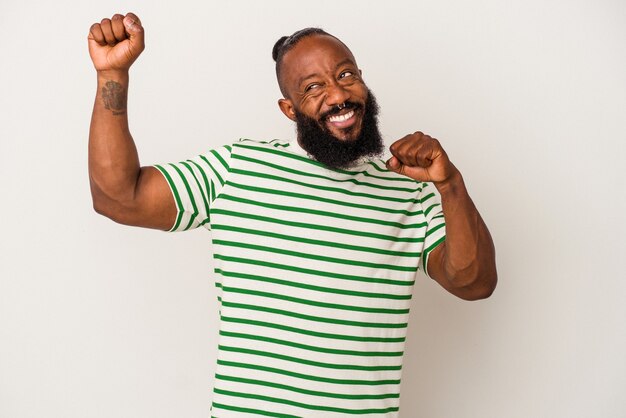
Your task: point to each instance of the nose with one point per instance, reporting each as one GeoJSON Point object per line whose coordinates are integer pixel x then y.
{"type": "Point", "coordinates": [336, 94]}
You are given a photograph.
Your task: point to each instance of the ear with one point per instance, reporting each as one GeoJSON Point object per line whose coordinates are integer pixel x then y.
{"type": "Point", "coordinates": [287, 108]}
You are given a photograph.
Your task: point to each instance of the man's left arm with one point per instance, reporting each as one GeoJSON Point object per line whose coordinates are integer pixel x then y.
{"type": "Point", "coordinates": [464, 264]}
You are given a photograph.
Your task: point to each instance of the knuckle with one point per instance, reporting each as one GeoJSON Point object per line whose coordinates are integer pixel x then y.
{"type": "Point", "coordinates": [105, 21]}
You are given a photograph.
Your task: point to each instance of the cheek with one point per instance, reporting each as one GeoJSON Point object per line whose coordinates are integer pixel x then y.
{"type": "Point", "coordinates": [360, 91]}
{"type": "Point", "coordinates": [311, 107]}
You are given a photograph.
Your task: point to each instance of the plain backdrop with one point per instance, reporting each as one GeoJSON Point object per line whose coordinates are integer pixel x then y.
{"type": "Point", "coordinates": [527, 96]}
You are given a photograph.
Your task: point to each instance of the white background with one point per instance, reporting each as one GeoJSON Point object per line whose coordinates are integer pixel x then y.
{"type": "Point", "coordinates": [527, 96]}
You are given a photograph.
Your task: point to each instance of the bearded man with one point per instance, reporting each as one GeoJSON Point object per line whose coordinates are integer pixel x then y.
{"type": "Point", "coordinates": [316, 242]}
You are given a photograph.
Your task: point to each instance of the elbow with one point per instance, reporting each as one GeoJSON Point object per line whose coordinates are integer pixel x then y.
{"type": "Point", "coordinates": [104, 209]}
{"type": "Point", "coordinates": [98, 207]}
{"type": "Point", "coordinates": [107, 207]}
{"type": "Point", "coordinates": [482, 288]}
{"type": "Point", "coordinates": [113, 212]}
{"type": "Point", "coordinates": [100, 203]}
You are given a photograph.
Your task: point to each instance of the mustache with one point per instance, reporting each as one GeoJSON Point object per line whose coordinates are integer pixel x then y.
{"type": "Point", "coordinates": [336, 109]}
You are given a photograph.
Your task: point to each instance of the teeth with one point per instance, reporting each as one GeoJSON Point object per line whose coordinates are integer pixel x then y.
{"type": "Point", "coordinates": [341, 118]}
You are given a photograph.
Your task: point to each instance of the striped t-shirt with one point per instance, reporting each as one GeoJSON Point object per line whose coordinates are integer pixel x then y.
{"type": "Point", "coordinates": [314, 269]}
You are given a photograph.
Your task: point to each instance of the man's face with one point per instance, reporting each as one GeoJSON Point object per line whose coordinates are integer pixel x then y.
{"type": "Point", "coordinates": [320, 75]}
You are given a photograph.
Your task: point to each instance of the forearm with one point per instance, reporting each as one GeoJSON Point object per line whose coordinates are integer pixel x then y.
{"type": "Point", "coordinates": [113, 160]}
{"type": "Point", "coordinates": [464, 264]}
{"type": "Point", "coordinates": [468, 254]}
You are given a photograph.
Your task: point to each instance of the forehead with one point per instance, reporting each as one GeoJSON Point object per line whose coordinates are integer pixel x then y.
{"type": "Point", "coordinates": [314, 55]}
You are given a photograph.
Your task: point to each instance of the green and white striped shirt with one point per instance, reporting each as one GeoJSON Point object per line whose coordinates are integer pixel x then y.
{"type": "Point", "coordinates": [315, 270]}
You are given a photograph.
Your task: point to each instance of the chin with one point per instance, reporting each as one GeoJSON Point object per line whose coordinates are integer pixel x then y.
{"type": "Point", "coordinates": [345, 135]}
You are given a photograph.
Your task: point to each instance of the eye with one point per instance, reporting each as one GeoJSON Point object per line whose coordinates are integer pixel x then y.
{"type": "Point", "coordinates": [346, 74]}
{"type": "Point", "coordinates": [312, 86]}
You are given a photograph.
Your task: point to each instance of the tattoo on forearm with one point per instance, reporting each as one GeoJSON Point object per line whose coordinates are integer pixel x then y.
{"type": "Point", "coordinates": [114, 96]}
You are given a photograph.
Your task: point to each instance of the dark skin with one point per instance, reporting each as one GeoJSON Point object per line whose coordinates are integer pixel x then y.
{"type": "Point", "coordinates": [120, 188]}
{"type": "Point", "coordinates": [320, 73]}
{"type": "Point", "coordinates": [317, 74]}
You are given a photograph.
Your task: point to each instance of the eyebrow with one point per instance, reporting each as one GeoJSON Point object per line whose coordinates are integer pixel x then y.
{"type": "Point", "coordinates": [340, 64]}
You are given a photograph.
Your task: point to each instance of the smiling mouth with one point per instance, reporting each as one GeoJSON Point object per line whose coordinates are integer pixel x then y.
{"type": "Point", "coordinates": [341, 118]}
{"type": "Point", "coordinates": [343, 122]}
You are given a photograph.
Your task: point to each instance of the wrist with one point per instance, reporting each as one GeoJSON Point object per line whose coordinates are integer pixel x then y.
{"type": "Point", "coordinates": [112, 91]}
{"type": "Point", "coordinates": [121, 76]}
{"type": "Point", "coordinates": [452, 185]}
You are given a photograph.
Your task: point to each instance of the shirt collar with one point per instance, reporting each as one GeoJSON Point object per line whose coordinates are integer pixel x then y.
{"type": "Point", "coordinates": [294, 145]}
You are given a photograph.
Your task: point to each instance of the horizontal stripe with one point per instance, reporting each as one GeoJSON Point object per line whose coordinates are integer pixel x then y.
{"type": "Point", "coordinates": [313, 302]}
{"type": "Point", "coordinates": [315, 327]}
{"type": "Point", "coordinates": [303, 405]}
{"type": "Point", "coordinates": [307, 225]}
{"type": "Point", "coordinates": [313, 162]}
{"type": "Point", "coordinates": [313, 287]}
{"type": "Point", "coordinates": [313, 272]}
{"type": "Point", "coordinates": [311, 347]}
{"type": "Point", "coordinates": [311, 256]}
{"type": "Point", "coordinates": [309, 377]}
{"type": "Point", "coordinates": [252, 411]}
{"type": "Point", "coordinates": [318, 198]}
{"type": "Point", "coordinates": [312, 333]}
{"type": "Point", "coordinates": [301, 209]}
{"type": "Point", "coordinates": [371, 368]}
{"type": "Point", "coordinates": [385, 170]}
{"type": "Point", "coordinates": [331, 189]}
{"type": "Point", "coordinates": [325, 178]}
{"type": "Point", "coordinates": [306, 391]}
{"type": "Point", "coordinates": [321, 243]}
{"type": "Point", "coordinates": [313, 318]}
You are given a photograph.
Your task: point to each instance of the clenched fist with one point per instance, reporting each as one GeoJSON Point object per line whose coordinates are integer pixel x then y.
{"type": "Point", "coordinates": [114, 44]}
{"type": "Point", "coordinates": [422, 158]}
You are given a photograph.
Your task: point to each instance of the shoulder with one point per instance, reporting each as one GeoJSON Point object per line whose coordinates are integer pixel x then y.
{"type": "Point", "coordinates": [268, 148]}
{"type": "Point", "coordinates": [274, 143]}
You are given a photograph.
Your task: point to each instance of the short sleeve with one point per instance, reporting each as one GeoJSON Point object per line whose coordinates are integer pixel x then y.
{"type": "Point", "coordinates": [436, 224]}
{"type": "Point", "coordinates": [195, 184]}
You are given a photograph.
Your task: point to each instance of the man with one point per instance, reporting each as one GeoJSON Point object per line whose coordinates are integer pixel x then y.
{"type": "Point", "coordinates": [316, 242]}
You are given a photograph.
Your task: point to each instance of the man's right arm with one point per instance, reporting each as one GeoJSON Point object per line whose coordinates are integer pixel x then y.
{"type": "Point", "coordinates": [120, 188]}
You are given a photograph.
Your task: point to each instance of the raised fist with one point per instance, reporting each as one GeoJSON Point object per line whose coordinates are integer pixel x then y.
{"type": "Point", "coordinates": [422, 158]}
{"type": "Point", "coordinates": [114, 44]}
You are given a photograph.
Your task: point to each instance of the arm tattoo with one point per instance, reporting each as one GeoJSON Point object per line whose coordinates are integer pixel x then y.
{"type": "Point", "coordinates": [114, 96]}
